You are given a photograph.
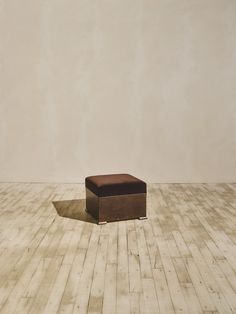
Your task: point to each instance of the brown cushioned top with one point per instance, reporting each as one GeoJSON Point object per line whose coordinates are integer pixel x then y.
{"type": "Point", "coordinates": [115, 184]}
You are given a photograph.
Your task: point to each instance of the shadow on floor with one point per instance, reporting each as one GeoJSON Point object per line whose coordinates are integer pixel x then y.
{"type": "Point", "coordinates": [74, 209]}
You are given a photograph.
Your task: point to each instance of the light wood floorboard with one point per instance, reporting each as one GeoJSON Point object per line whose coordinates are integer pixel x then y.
{"type": "Point", "coordinates": [182, 259]}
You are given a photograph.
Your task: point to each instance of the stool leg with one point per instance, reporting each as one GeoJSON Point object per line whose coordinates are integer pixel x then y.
{"type": "Point", "coordinates": [142, 218]}
{"type": "Point", "coordinates": [102, 222]}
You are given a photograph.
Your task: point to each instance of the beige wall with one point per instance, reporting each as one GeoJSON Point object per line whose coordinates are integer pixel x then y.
{"type": "Point", "coordinates": [104, 86]}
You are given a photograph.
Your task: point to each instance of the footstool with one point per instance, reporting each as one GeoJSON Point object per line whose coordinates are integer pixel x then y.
{"type": "Point", "coordinates": [115, 197]}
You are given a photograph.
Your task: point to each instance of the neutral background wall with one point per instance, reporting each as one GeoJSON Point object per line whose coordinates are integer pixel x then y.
{"type": "Point", "coordinates": [104, 86]}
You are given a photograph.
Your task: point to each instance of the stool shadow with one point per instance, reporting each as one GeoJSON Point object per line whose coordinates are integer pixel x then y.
{"type": "Point", "coordinates": [74, 209]}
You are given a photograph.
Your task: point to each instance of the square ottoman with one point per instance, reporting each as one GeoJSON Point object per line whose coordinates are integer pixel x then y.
{"type": "Point", "coordinates": [115, 197]}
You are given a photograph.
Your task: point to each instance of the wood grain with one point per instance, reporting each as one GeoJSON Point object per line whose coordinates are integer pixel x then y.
{"type": "Point", "coordinates": [181, 260]}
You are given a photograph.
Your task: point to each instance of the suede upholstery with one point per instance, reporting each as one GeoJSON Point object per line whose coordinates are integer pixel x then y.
{"type": "Point", "coordinates": [115, 184]}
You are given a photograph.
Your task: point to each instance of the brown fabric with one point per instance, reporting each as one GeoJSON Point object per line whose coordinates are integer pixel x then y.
{"type": "Point", "coordinates": [116, 207]}
{"type": "Point", "coordinates": [115, 184]}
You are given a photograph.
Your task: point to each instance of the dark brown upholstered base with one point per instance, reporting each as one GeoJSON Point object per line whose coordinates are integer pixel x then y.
{"type": "Point", "coordinates": [116, 207]}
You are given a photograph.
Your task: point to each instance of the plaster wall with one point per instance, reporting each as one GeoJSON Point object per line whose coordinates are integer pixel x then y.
{"type": "Point", "coordinates": [104, 86]}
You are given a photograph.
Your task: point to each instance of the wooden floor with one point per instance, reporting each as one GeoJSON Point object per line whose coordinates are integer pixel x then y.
{"type": "Point", "coordinates": [181, 260]}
